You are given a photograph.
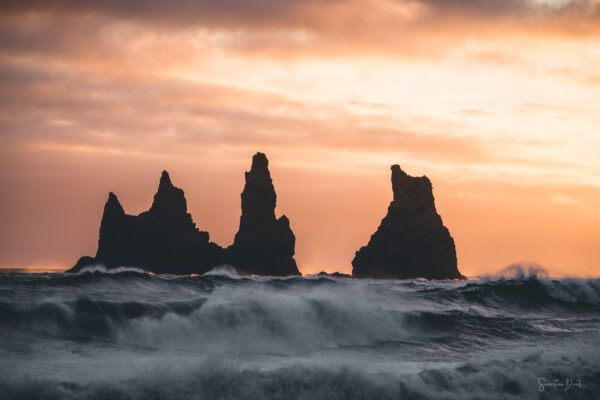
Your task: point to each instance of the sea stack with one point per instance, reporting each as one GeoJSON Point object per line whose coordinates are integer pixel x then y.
{"type": "Point", "coordinates": [163, 239]}
{"type": "Point", "coordinates": [411, 241]}
{"type": "Point", "coordinates": [263, 245]}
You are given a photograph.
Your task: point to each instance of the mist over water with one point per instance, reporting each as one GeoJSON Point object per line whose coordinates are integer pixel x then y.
{"type": "Point", "coordinates": [132, 335]}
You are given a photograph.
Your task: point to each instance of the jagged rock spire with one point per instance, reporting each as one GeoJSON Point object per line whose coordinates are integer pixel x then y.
{"type": "Point", "coordinates": [411, 191]}
{"type": "Point", "coordinates": [113, 206]}
{"type": "Point", "coordinates": [263, 244]}
{"type": "Point", "coordinates": [112, 219]}
{"type": "Point", "coordinates": [411, 241]}
{"type": "Point", "coordinates": [165, 181]}
{"type": "Point", "coordinates": [258, 198]}
{"type": "Point", "coordinates": [168, 198]}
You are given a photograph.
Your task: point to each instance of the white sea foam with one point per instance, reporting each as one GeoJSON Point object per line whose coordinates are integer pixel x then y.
{"type": "Point", "coordinates": [224, 270]}
{"type": "Point", "coordinates": [99, 268]}
{"type": "Point", "coordinates": [134, 335]}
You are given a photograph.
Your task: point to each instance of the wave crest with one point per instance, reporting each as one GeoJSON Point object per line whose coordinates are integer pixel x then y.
{"type": "Point", "coordinates": [509, 378]}
{"type": "Point", "coordinates": [101, 269]}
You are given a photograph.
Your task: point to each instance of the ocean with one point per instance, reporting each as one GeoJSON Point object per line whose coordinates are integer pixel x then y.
{"type": "Point", "coordinates": [127, 334]}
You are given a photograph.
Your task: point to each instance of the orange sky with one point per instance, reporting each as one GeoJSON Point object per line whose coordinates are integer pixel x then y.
{"type": "Point", "coordinates": [497, 102]}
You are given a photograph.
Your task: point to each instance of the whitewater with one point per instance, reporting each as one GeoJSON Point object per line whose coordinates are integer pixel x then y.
{"type": "Point", "coordinates": [127, 334]}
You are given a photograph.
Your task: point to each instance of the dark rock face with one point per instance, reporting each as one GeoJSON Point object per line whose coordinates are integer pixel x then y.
{"type": "Point", "coordinates": [163, 239]}
{"type": "Point", "coordinates": [83, 262]}
{"type": "Point", "coordinates": [334, 274]}
{"type": "Point", "coordinates": [263, 245]}
{"type": "Point", "coordinates": [411, 241]}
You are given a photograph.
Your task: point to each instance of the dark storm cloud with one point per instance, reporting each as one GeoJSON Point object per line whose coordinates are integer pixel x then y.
{"type": "Point", "coordinates": [177, 12]}
{"type": "Point", "coordinates": [305, 13]}
{"type": "Point", "coordinates": [287, 29]}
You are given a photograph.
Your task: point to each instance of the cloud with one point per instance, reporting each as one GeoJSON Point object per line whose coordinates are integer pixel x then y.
{"type": "Point", "coordinates": [334, 91]}
{"type": "Point", "coordinates": [250, 12]}
{"type": "Point", "coordinates": [152, 112]}
{"type": "Point", "coordinates": [58, 110]}
{"type": "Point", "coordinates": [293, 28]}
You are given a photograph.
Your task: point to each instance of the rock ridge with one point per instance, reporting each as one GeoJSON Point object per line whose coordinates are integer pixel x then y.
{"type": "Point", "coordinates": [165, 239]}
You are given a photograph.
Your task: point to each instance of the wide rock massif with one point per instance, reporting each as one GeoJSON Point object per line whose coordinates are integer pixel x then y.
{"type": "Point", "coordinates": [165, 239]}
{"type": "Point", "coordinates": [411, 241]}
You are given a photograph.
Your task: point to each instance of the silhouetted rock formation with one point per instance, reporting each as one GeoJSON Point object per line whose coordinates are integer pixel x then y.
{"type": "Point", "coordinates": [334, 274]}
{"type": "Point", "coordinates": [83, 262]}
{"type": "Point", "coordinates": [263, 244]}
{"type": "Point", "coordinates": [163, 239]}
{"type": "Point", "coordinates": [411, 241]}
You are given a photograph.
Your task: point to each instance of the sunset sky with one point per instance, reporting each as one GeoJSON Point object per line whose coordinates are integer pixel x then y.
{"type": "Point", "coordinates": [497, 102]}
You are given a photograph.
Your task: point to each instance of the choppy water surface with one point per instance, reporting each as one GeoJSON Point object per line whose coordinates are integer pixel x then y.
{"type": "Point", "coordinates": [133, 335]}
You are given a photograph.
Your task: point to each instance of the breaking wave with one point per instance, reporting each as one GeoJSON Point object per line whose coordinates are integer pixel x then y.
{"type": "Point", "coordinates": [99, 268]}
{"type": "Point", "coordinates": [522, 377]}
{"type": "Point", "coordinates": [129, 334]}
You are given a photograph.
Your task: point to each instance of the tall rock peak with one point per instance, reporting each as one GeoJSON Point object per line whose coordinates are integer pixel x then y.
{"type": "Point", "coordinates": [260, 161]}
{"type": "Point", "coordinates": [258, 198]}
{"type": "Point", "coordinates": [168, 198]}
{"type": "Point", "coordinates": [411, 241]}
{"type": "Point", "coordinates": [411, 191]}
{"type": "Point", "coordinates": [113, 207]}
{"type": "Point", "coordinates": [397, 172]}
{"type": "Point", "coordinates": [165, 181]}
{"type": "Point", "coordinates": [263, 244]}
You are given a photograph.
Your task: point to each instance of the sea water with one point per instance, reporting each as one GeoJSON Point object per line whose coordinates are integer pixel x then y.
{"type": "Point", "coordinates": [127, 334]}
